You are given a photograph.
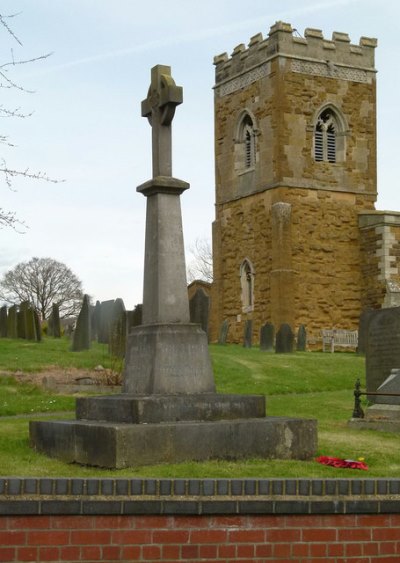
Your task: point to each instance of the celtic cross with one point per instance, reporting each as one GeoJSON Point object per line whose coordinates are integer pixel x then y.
{"type": "Point", "coordinates": [159, 107]}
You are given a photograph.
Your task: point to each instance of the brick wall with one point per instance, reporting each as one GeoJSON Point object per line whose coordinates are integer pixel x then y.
{"type": "Point", "coordinates": [200, 520]}
{"type": "Point", "coordinates": [222, 538]}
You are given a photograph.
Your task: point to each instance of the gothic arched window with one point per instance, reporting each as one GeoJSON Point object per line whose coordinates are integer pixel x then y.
{"type": "Point", "coordinates": [246, 152]}
{"type": "Point", "coordinates": [329, 137]}
{"type": "Point", "coordinates": [247, 285]}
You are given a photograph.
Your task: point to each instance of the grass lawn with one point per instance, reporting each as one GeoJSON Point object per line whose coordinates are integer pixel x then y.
{"type": "Point", "coordinates": [309, 385]}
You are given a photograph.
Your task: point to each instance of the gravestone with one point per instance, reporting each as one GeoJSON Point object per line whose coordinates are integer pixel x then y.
{"type": "Point", "coordinates": [223, 332]}
{"type": "Point", "coordinates": [248, 333]}
{"type": "Point", "coordinates": [12, 330]}
{"type": "Point", "coordinates": [95, 320]}
{"type": "Point", "coordinates": [106, 315]}
{"type": "Point", "coordinates": [284, 340]}
{"type": "Point", "coordinates": [117, 339]}
{"type": "Point", "coordinates": [267, 337]}
{"type": "Point", "coordinates": [383, 346]}
{"type": "Point", "coordinates": [3, 322]}
{"type": "Point", "coordinates": [169, 410]}
{"type": "Point", "coordinates": [301, 344]}
{"type": "Point", "coordinates": [199, 306]}
{"type": "Point", "coordinates": [391, 385]}
{"type": "Point", "coordinates": [53, 324]}
{"type": "Point", "coordinates": [81, 338]}
{"type": "Point", "coordinates": [363, 330]}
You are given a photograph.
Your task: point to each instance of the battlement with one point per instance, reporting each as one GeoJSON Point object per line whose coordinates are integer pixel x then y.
{"type": "Point", "coordinates": [283, 42]}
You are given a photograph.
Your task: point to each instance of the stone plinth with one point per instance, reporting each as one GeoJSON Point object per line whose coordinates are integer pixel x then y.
{"type": "Point", "coordinates": [167, 359]}
{"type": "Point", "coordinates": [169, 408]}
{"type": "Point", "coordinates": [385, 418]}
{"type": "Point", "coordinates": [114, 445]}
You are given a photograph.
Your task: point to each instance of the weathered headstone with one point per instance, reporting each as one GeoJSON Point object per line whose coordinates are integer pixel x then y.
{"type": "Point", "coordinates": [391, 385]}
{"type": "Point", "coordinates": [81, 338]}
{"type": "Point", "coordinates": [223, 332]}
{"type": "Point", "coordinates": [106, 315]}
{"type": "Point", "coordinates": [95, 320]}
{"type": "Point", "coordinates": [55, 321]}
{"type": "Point", "coordinates": [3, 322]}
{"type": "Point", "coordinates": [267, 337]}
{"type": "Point", "coordinates": [363, 330]}
{"type": "Point", "coordinates": [301, 344]}
{"type": "Point", "coordinates": [383, 346]}
{"type": "Point", "coordinates": [117, 339]}
{"type": "Point", "coordinates": [12, 322]}
{"type": "Point", "coordinates": [38, 326]}
{"type": "Point", "coordinates": [199, 306]}
{"type": "Point", "coordinates": [284, 340]}
{"type": "Point", "coordinates": [248, 333]}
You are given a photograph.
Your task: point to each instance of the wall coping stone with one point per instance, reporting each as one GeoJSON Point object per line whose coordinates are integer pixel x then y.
{"type": "Point", "coordinates": [93, 496]}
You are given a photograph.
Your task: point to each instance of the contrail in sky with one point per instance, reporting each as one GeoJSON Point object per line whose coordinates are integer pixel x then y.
{"type": "Point", "coordinates": [197, 35]}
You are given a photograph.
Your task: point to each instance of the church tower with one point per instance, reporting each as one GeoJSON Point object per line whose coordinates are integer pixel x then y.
{"type": "Point", "coordinates": [295, 159]}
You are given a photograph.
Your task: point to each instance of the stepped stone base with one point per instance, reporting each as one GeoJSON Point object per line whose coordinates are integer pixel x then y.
{"type": "Point", "coordinates": [385, 418]}
{"type": "Point", "coordinates": [118, 445]}
{"type": "Point", "coordinates": [136, 409]}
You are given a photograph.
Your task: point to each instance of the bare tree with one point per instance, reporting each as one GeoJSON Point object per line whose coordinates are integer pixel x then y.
{"type": "Point", "coordinates": [42, 282]}
{"type": "Point", "coordinates": [9, 218]}
{"type": "Point", "coordinates": [201, 265]}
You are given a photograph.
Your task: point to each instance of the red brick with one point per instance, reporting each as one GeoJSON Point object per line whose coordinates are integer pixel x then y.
{"type": "Point", "coordinates": [29, 522]}
{"type": "Point", "coordinates": [382, 534]}
{"type": "Point", "coordinates": [263, 550]}
{"type": "Point", "coordinates": [300, 549]}
{"type": "Point", "coordinates": [395, 520]}
{"type": "Point", "coordinates": [267, 522]}
{"type": "Point", "coordinates": [353, 549]}
{"type": "Point", "coordinates": [49, 554]}
{"type": "Point", "coordinates": [370, 521]}
{"type": "Point", "coordinates": [355, 534]}
{"type": "Point", "coordinates": [208, 536]}
{"type": "Point", "coordinates": [7, 554]}
{"type": "Point", "coordinates": [245, 550]}
{"type": "Point", "coordinates": [317, 549]}
{"type": "Point", "coordinates": [170, 551]}
{"type": "Point", "coordinates": [72, 522]}
{"type": "Point", "coordinates": [151, 552]}
{"type": "Point", "coordinates": [50, 537]}
{"type": "Point", "coordinates": [27, 554]}
{"type": "Point", "coordinates": [3, 522]}
{"type": "Point", "coordinates": [208, 551]}
{"type": "Point", "coordinates": [387, 548]}
{"type": "Point", "coordinates": [281, 550]}
{"type": "Point", "coordinates": [111, 553]}
{"type": "Point", "coordinates": [247, 536]}
{"type": "Point", "coordinates": [227, 550]}
{"type": "Point", "coordinates": [233, 521]}
{"type": "Point", "coordinates": [371, 548]}
{"type": "Point", "coordinates": [112, 522]}
{"type": "Point", "coordinates": [87, 537]}
{"type": "Point", "coordinates": [90, 553]}
{"type": "Point", "coordinates": [10, 538]}
{"type": "Point", "coordinates": [319, 535]}
{"type": "Point", "coordinates": [189, 552]}
{"type": "Point", "coordinates": [335, 549]}
{"type": "Point", "coordinates": [130, 552]}
{"type": "Point", "coordinates": [153, 522]}
{"type": "Point", "coordinates": [171, 536]}
{"type": "Point", "coordinates": [338, 521]}
{"type": "Point", "coordinates": [70, 553]}
{"type": "Point", "coordinates": [305, 521]}
{"type": "Point", "coordinates": [126, 537]}
{"type": "Point", "coordinates": [285, 535]}
{"type": "Point", "coordinates": [191, 522]}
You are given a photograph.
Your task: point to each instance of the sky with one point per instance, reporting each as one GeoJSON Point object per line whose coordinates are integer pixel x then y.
{"type": "Point", "coordinates": [85, 129]}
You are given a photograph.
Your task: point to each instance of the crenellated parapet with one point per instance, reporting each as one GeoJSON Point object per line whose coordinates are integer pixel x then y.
{"type": "Point", "coordinates": [313, 54]}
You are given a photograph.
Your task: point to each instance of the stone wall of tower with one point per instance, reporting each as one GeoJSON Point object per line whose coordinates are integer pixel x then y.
{"type": "Point", "coordinates": [315, 277]}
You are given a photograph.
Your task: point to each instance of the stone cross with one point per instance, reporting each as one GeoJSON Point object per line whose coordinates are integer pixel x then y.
{"type": "Point", "coordinates": [159, 108]}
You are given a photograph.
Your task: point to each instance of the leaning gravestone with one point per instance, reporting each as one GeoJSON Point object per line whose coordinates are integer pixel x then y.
{"type": "Point", "coordinates": [383, 346]}
{"type": "Point", "coordinates": [301, 344]}
{"type": "Point", "coordinates": [248, 333]}
{"type": "Point", "coordinates": [199, 306]}
{"type": "Point", "coordinates": [81, 338]}
{"type": "Point", "coordinates": [284, 340]}
{"type": "Point", "coordinates": [3, 322]}
{"type": "Point", "coordinates": [169, 410]}
{"type": "Point", "coordinates": [267, 337]}
{"type": "Point", "coordinates": [223, 332]}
